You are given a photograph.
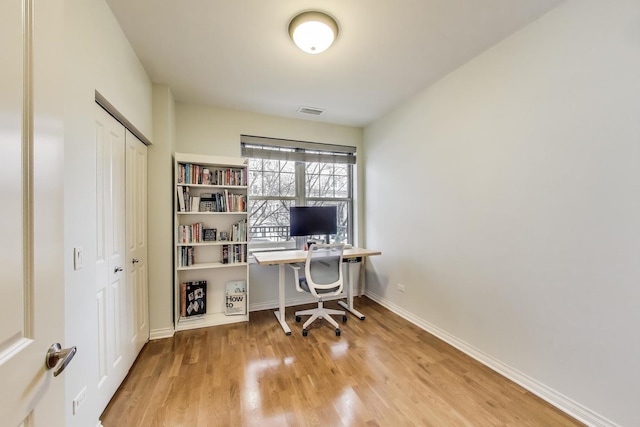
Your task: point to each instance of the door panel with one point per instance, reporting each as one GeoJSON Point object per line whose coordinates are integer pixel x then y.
{"type": "Point", "coordinates": [111, 283]}
{"type": "Point", "coordinates": [12, 321]}
{"type": "Point", "coordinates": [31, 182]}
{"type": "Point", "coordinates": [136, 189]}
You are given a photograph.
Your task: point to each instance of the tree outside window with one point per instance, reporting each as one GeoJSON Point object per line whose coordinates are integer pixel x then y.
{"type": "Point", "coordinates": [277, 184]}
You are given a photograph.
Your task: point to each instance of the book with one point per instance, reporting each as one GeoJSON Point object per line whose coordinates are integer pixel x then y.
{"type": "Point", "coordinates": [236, 287]}
{"type": "Point", "coordinates": [195, 204]}
{"type": "Point", "coordinates": [236, 297]}
{"type": "Point", "coordinates": [181, 206]}
{"type": "Point", "coordinates": [195, 298]}
{"type": "Point", "coordinates": [225, 254]}
{"type": "Point", "coordinates": [186, 194]}
{"type": "Point", "coordinates": [183, 299]}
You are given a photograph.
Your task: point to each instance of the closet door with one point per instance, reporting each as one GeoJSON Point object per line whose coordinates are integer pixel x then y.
{"type": "Point", "coordinates": [137, 268]}
{"type": "Point", "coordinates": [114, 350]}
{"type": "Point", "coordinates": [121, 253]}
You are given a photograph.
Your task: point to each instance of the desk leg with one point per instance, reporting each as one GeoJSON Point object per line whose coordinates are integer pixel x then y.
{"type": "Point", "coordinates": [280, 314]}
{"type": "Point", "coordinates": [350, 279]}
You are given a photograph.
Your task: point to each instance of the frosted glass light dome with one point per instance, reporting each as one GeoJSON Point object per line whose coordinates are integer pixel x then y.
{"type": "Point", "coordinates": [313, 32]}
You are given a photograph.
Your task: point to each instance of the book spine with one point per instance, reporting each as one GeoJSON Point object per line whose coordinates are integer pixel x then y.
{"type": "Point", "coordinates": [183, 300]}
{"type": "Point", "coordinates": [225, 254]}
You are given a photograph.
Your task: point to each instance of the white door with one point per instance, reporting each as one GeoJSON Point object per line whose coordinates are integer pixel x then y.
{"type": "Point", "coordinates": [137, 267]}
{"type": "Point", "coordinates": [31, 218]}
{"type": "Point", "coordinates": [114, 351]}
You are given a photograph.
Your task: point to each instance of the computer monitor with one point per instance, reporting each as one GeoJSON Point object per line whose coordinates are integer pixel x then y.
{"type": "Point", "coordinates": [313, 220]}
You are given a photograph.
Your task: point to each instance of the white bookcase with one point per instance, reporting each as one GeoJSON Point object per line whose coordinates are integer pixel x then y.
{"type": "Point", "coordinates": [210, 192]}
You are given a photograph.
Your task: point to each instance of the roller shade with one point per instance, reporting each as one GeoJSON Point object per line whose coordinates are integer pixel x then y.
{"type": "Point", "coordinates": [298, 151]}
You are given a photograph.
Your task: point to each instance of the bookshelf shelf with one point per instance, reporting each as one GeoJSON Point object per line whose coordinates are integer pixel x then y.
{"type": "Point", "coordinates": [220, 187]}
{"type": "Point", "coordinates": [207, 320]}
{"type": "Point", "coordinates": [217, 243]}
{"type": "Point", "coordinates": [210, 202]}
{"type": "Point", "coordinates": [210, 265]}
{"type": "Point", "coordinates": [212, 213]}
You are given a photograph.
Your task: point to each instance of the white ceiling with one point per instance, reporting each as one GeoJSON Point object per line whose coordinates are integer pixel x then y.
{"type": "Point", "coordinates": [237, 53]}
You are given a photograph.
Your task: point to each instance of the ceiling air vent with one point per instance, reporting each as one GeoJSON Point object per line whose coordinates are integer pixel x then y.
{"type": "Point", "coordinates": [311, 110]}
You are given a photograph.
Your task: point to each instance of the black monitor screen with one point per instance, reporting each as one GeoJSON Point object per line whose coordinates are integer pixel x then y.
{"type": "Point", "coordinates": [313, 220]}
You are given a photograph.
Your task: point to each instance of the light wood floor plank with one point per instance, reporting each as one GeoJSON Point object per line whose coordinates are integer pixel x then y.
{"type": "Point", "coordinates": [383, 371]}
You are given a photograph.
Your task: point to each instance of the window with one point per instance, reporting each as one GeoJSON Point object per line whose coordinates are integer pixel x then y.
{"type": "Point", "coordinates": [285, 173]}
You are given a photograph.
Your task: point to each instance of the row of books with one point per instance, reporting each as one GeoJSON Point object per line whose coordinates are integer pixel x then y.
{"type": "Point", "coordinates": [197, 174]}
{"type": "Point", "coordinates": [238, 232]}
{"type": "Point", "coordinates": [222, 202]}
{"type": "Point", "coordinates": [185, 256]}
{"type": "Point", "coordinates": [232, 254]}
{"type": "Point", "coordinates": [193, 233]}
{"type": "Point", "coordinates": [210, 202]}
{"type": "Point", "coordinates": [193, 298]}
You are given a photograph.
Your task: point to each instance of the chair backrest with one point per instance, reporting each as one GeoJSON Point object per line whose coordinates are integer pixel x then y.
{"type": "Point", "coordinates": [323, 269]}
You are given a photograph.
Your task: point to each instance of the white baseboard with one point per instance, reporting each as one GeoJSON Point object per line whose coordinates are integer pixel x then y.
{"type": "Point", "coordinates": [304, 299]}
{"type": "Point", "coordinates": [157, 334]}
{"type": "Point", "coordinates": [551, 396]}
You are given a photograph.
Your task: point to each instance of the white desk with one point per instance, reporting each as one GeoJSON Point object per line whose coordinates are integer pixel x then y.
{"type": "Point", "coordinates": [281, 258]}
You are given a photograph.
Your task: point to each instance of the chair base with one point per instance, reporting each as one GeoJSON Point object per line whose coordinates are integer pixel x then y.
{"type": "Point", "coordinates": [321, 313]}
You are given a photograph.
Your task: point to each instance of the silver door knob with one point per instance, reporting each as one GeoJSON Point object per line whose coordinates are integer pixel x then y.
{"type": "Point", "coordinates": [135, 260]}
{"type": "Point", "coordinates": [55, 354]}
{"type": "Point", "coordinates": [117, 269]}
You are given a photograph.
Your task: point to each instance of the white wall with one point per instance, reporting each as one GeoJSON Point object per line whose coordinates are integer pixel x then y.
{"type": "Point", "coordinates": [506, 199]}
{"type": "Point", "coordinates": [160, 208]}
{"type": "Point", "coordinates": [215, 131]}
{"type": "Point", "coordinates": [96, 56]}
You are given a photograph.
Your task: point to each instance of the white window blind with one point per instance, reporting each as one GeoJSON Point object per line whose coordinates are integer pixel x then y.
{"type": "Point", "coordinates": [258, 147]}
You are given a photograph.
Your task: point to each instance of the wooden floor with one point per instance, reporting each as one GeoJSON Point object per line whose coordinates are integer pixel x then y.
{"type": "Point", "coordinates": [382, 371]}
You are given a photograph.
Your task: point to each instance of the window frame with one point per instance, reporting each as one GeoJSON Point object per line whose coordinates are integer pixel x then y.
{"type": "Point", "coordinates": [318, 153]}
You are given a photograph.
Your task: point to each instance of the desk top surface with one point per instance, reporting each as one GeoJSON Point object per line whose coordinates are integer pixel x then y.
{"type": "Point", "coordinates": [289, 257]}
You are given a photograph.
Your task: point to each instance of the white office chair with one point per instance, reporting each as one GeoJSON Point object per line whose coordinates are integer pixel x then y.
{"type": "Point", "coordinates": [323, 278]}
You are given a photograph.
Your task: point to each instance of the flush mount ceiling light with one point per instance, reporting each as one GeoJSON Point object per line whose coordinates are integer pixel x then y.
{"type": "Point", "coordinates": [313, 31]}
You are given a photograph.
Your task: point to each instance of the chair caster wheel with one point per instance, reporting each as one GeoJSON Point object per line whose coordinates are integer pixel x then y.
{"type": "Point", "coordinates": [304, 332]}
{"type": "Point", "coordinates": [298, 318]}
{"type": "Point", "coordinates": [344, 319]}
{"type": "Point", "coordinates": [337, 332]}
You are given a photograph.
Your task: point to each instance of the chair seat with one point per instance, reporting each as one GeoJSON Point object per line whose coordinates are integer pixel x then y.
{"type": "Point", "coordinates": [304, 285]}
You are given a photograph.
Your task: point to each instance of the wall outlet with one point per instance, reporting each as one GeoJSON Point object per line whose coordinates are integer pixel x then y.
{"type": "Point", "coordinates": [401, 287]}
{"type": "Point", "coordinates": [79, 400]}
